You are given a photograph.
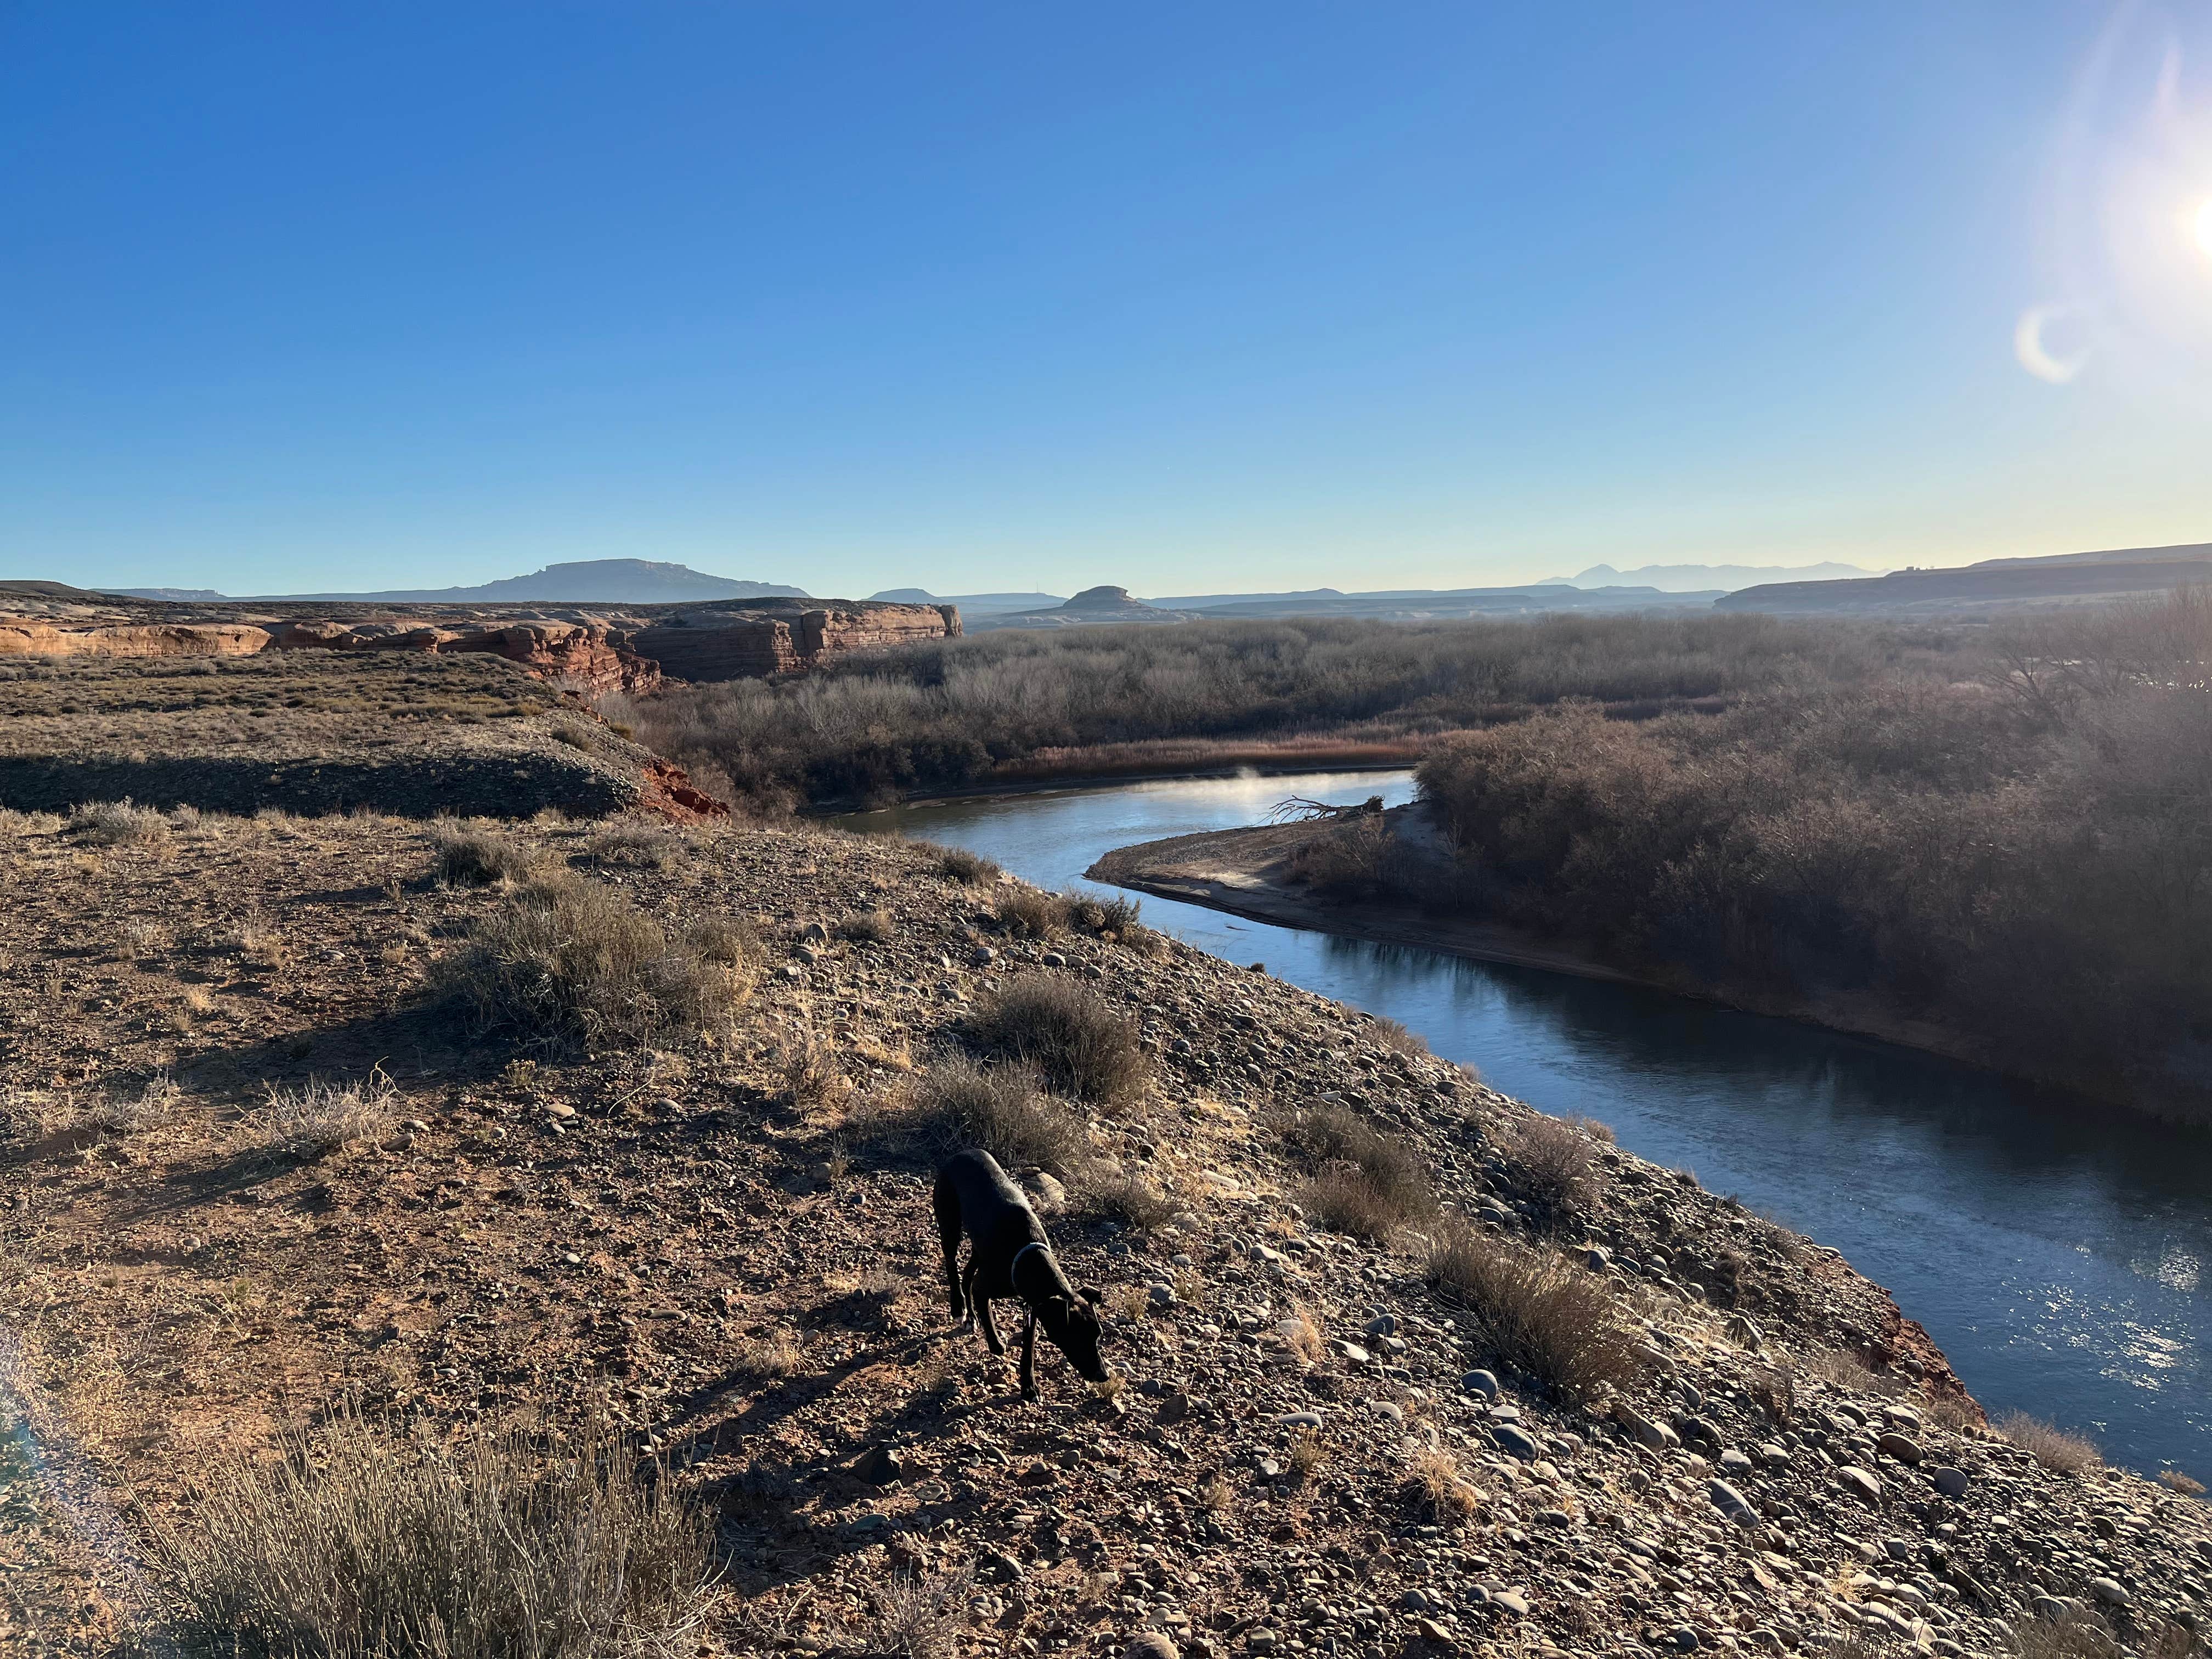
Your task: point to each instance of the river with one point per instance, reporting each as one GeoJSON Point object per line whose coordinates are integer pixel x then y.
{"type": "Point", "coordinates": [2057, 1254]}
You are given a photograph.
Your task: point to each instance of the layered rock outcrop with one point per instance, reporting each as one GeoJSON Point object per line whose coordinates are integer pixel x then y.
{"type": "Point", "coordinates": [26, 637]}
{"type": "Point", "coordinates": [594, 654]}
{"type": "Point", "coordinates": [758, 641]}
{"type": "Point", "coordinates": [589, 656]}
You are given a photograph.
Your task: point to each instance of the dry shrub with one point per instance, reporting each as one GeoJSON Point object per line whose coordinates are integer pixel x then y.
{"type": "Point", "coordinates": [2175, 1480]}
{"type": "Point", "coordinates": [1080, 1047]}
{"type": "Point", "coordinates": [1125, 1196]}
{"type": "Point", "coordinates": [567, 959]}
{"type": "Point", "coordinates": [1113, 916]}
{"type": "Point", "coordinates": [919, 1615]}
{"type": "Point", "coordinates": [477, 858]}
{"type": "Point", "coordinates": [154, 1105]}
{"type": "Point", "coordinates": [1394, 1035]}
{"type": "Point", "coordinates": [1351, 860]}
{"type": "Point", "coordinates": [1850, 1372]}
{"type": "Point", "coordinates": [731, 941]}
{"type": "Point", "coordinates": [1301, 1334]}
{"type": "Point", "coordinates": [317, 1118]}
{"type": "Point", "coordinates": [874, 927]}
{"type": "Point", "coordinates": [1346, 1198]}
{"type": "Point", "coordinates": [762, 1358]}
{"type": "Point", "coordinates": [1544, 1317]}
{"type": "Point", "coordinates": [1552, 1159]}
{"type": "Point", "coordinates": [1026, 913]}
{"type": "Point", "coordinates": [1952, 1412]}
{"type": "Point", "coordinates": [1307, 1452]}
{"type": "Point", "coordinates": [118, 823]}
{"type": "Point", "coordinates": [1001, 1110]}
{"type": "Point", "coordinates": [2055, 1449]}
{"type": "Point", "coordinates": [1364, 1182]}
{"type": "Point", "coordinates": [1437, 1485]}
{"type": "Point", "coordinates": [359, 1546]}
{"type": "Point", "coordinates": [2077, 1633]}
{"type": "Point", "coordinates": [1218, 1494]}
{"type": "Point", "coordinates": [958, 864]}
{"type": "Point", "coordinates": [813, 1076]}
{"type": "Point", "coordinates": [637, 846]}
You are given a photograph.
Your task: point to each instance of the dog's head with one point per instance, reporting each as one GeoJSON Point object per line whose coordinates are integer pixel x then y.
{"type": "Point", "coordinates": [1074, 1327]}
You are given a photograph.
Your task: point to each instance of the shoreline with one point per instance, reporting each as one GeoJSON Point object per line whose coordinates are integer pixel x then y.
{"type": "Point", "coordinates": [1241, 872]}
{"type": "Point", "coordinates": [1047, 783]}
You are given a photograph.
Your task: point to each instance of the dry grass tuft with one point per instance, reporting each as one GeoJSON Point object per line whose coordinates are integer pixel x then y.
{"type": "Point", "coordinates": [1542, 1316]}
{"type": "Point", "coordinates": [1394, 1036]}
{"type": "Point", "coordinates": [155, 1105]}
{"type": "Point", "coordinates": [1001, 1110]}
{"type": "Point", "coordinates": [1301, 1334]}
{"type": "Point", "coordinates": [567, 959]}
{"type": "Point", "coordinates": [921, 1615]}
{"type": "Point", "coordinates": [2074, 1634]}
{"type": "Point", "coordinates": [762, 1358]}
{"type": "Point", "coordinates": [2055, 1449]}
{"type": "Point", "coordinates": [118, 823]}
{"type": "Point", "coordinates": [317, 1118]}
{"type": "Point", "coordinates": [730, 941]}
{"type": "Point", "coordinates": [814, 1077]}
{"type": "Point", "coordinates": [358, 1546]}
{"type": "Point", "coordinates": [1079, 1046]}
{"type": "Point", "coordinates": [875, 927]}
{"type": "Point", "coordinates": [636, 846]}
{"type": "Point", "coordinates": [1552, 1160]}
{"type": "Point", "coordinates": [2175, 1480]}
{"type": "Point", "coordinates": [1437, 1485]}
{"type": "Point", "coordinates": [958, 864]}
{"type": "Point", "coordinates": [1364, 1182]}
{"type": "Point", "coordinates": [1308, 1451]}
{"type": "Point", "coordinates": [1025, 913]}
{"type": "Point", "coordinates": [1125, 1196]}
{"type": "Point", "coordinates": [477, 858]}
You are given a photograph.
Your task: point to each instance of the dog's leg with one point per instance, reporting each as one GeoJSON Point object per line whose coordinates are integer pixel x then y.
{"type": "Point", "coordinates": [983, 1306]}
{"type": "Point", "coordinates": [947, 1204]}
{"type": "Point", "coordinates": [1029, 1356]}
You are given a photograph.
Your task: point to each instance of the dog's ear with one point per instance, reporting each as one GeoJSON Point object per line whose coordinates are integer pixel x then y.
{"type": "Point", "coordinates": [1090, 1295]}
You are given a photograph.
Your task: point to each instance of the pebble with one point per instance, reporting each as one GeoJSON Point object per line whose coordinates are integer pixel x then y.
{"type": "Point", "coordinates": [1902, 1448]}
{"type": "Point", "coordinates": [1150, 1644]}
{"type": "Point", "coordinates": [1516, 1442]}
{"type": "Point", "coordinates": [1860, 1482]}
{"type": "Point", "coordinates": [1481, 1383]}
{"type": "Point", "coordinates": [1951, 1482]}
{"type": "Point", "coordinates": [2109, 1591]}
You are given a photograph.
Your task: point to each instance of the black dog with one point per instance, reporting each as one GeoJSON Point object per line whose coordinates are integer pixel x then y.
{"type": "Point", "coordinates": [1009, 1255]}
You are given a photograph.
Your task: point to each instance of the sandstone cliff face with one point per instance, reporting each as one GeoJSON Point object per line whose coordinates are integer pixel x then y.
{"type": "Point", "coordinates": [754, 643]}
{"type": "Point", "coordinates": [24, 637]}
{"type": "Point", "coordinates": [592, 654]}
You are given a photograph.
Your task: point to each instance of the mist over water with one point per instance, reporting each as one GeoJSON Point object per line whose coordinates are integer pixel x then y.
{"type": "Point", "coordinates": [2057, 1254]}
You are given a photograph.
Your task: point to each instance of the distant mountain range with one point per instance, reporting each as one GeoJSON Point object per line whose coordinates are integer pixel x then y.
{"type": "Point", "coordinates": [586, 581]}
{"type": "Point", "coordinates": [971, 604]}
{"type": "Point", "coordinates": [1993, 586]}
{"type": "Point", "coordinates": [1704, 578]}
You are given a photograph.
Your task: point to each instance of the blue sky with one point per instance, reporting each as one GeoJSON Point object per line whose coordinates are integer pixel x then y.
{"type": "Point", "coordinates": [1187, 298]}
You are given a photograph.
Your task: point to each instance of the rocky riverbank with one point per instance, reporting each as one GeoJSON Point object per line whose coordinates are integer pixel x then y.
{"type": "Point", "coordinates": [1320, 1449]}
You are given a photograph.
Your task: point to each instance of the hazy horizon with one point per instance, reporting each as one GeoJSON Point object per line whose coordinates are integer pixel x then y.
{"type": "Point", "coordinates": [996, 299]}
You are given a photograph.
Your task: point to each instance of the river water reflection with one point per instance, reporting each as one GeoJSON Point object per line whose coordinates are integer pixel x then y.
{"type": "Point", "coordinates": [2057, 1258]}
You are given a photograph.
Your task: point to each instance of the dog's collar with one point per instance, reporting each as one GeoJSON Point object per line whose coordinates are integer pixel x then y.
{"type": "Point", "coordinates": [1032, 1245]}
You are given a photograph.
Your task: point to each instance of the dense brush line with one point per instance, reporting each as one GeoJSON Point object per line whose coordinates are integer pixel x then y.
{"type": "Point", "coordinates": [945, 714]}
{"type": "Point", "coordinates": [2025, 858]}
